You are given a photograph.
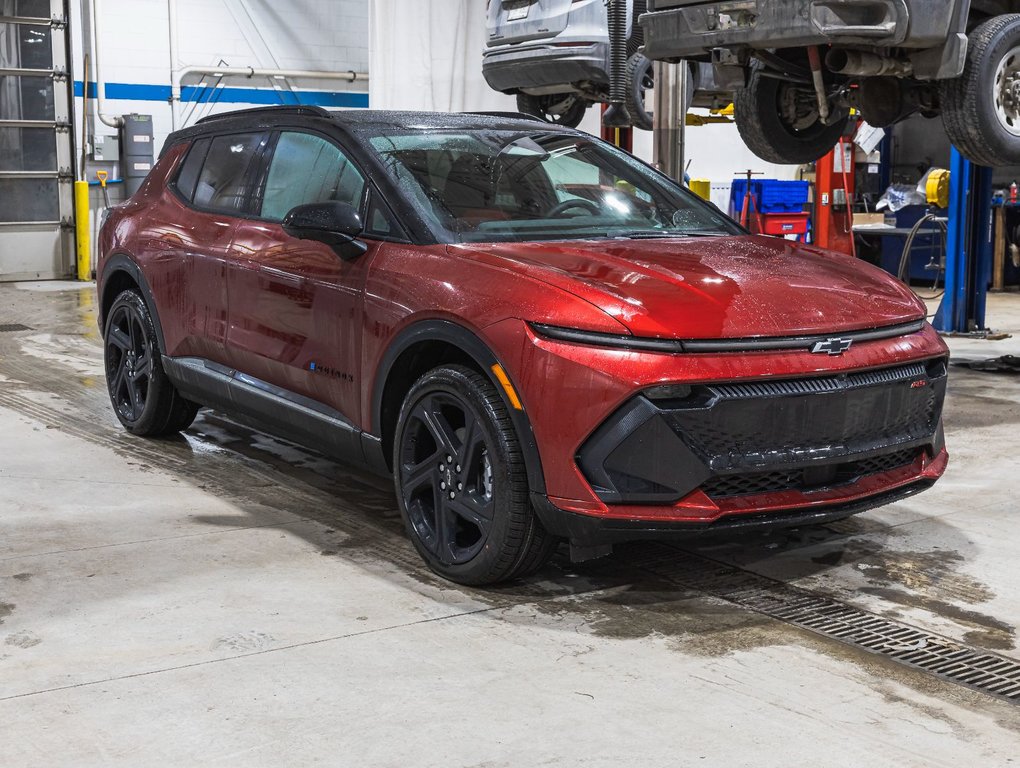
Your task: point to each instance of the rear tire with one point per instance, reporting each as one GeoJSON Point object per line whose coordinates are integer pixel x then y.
{"type": "Point", "coordinates": [759, 115]}
{"type": "Point", "coordinates": [641, 85]}
{"type": "Point", "coordinates": [640, 82]}
{"type": "Point", "coordinates": [981, 108]}
{"type": "Point", "coordinates": [461, 483]}
{"type": "Point", "coordinates": [564, 109]}
{"type": "Point", "coordinates": [144, 399]}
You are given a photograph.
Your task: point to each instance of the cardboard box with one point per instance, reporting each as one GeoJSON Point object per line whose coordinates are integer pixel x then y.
{"type": "Point", "coordinates": [869, 219]}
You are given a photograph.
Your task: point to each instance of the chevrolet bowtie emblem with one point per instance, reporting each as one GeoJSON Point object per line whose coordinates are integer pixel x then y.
{"type": "Point", "coordinates": [832, 346]}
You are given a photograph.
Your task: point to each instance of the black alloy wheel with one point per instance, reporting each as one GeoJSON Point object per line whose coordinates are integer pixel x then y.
{"type": "Point", "coordinates": [446, 478]}
{"type": "Point", "coordinates": [128, 363]}
{"type": "Point", "coordinates": [143, 397]}
{"type": "Point", "coordinates": [461, 481]}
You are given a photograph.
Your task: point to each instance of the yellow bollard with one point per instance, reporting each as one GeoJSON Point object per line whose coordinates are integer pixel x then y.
{"type": "Point", "coordinates": [81, 227]}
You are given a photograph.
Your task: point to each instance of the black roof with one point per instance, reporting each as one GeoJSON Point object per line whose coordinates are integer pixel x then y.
{"type": "Point", "coordinates": [364, 118]}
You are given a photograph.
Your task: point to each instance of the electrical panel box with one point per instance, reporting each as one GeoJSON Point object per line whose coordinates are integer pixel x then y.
{"type": "Point", "coordinates": [105, 149]}
{"type": "Point", "coordinates": [136, 151]}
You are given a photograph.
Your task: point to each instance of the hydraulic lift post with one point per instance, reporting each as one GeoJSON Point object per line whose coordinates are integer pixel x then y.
{"type": "Point", "coordinates": [968, 248]}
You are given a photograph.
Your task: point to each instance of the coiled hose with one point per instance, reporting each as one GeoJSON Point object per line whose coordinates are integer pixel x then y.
{"type": "Point", "coordinates": [904, 271]}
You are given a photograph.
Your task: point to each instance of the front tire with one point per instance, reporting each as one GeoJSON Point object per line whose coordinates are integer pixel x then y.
{"type": "Point", "coordinates": [461, 483]}
{"type": "Point", "coordinates": [981, 108]}
{"type": "Point", "coordinates": [144, 399]}
{"type": "Point", "coordinates": [763, 111]}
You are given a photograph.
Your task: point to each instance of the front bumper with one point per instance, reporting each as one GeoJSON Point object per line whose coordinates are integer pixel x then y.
{"type": "Point", "coordinates": [511, 68]}
{"type": "Point", "coordinates": [678, 29]}
{"type": "Point", "coordinates": [772, 437]}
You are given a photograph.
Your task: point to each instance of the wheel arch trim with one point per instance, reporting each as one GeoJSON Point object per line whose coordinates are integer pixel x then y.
{"type": "Point", "coordinates": [121, 262]}
{"type": "Point", "coordinates": [474, 347]}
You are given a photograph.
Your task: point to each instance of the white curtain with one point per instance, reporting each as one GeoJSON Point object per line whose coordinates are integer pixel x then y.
{"type": "Point", "coordinates": [427, 55]}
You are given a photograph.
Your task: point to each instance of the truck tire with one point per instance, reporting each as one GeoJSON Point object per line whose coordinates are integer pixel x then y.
{"type": "Point", "coordinates": [769, 135]}
{"type": "Point", "coordinates": [981, 107]}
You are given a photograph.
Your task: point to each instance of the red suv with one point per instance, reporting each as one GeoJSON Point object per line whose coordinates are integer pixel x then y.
{"type": "Point", "coordinates": [539, 336]}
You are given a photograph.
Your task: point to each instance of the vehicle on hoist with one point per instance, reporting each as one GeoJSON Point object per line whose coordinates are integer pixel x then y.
{"type": "Point", "coordinates": [556, 57]}
{"type": "Point", "coordinates": [799, 68]}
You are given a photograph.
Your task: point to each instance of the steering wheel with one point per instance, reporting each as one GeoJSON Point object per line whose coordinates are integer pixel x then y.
{"type": "Point", "coordinates": [576, 202]}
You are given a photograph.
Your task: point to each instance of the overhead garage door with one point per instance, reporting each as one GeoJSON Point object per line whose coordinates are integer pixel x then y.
{"type": "Point", "coordinates": [35, 141]}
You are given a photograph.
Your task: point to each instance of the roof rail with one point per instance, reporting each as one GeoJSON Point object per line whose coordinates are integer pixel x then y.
{"type": "Point", "coordinates": [282, 109]}
{"type": "Point", "coordinates": [513, 115]}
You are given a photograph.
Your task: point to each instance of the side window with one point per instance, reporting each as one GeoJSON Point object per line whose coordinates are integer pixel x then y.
{"type": "Point", "coordinates": [224, 182]}
{"type": "Point", "coordinates": [309, 169]}
{"type": "Point", "coordinates": [378, 222]}
{"type": "Point", "coordinates": [188, 176]}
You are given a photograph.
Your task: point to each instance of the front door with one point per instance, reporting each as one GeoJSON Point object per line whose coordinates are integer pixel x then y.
{"type": "Point", "coordinates": [295, 307]}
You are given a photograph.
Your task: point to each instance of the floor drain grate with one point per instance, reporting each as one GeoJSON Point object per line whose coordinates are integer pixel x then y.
{"type": "Point", "coordinates": [975, 668]}
{"type": "Point", "coordinates": [11, 327]}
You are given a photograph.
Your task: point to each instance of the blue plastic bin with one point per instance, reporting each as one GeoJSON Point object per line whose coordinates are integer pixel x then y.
{"type": "Point", "coordinates": [771, 195]}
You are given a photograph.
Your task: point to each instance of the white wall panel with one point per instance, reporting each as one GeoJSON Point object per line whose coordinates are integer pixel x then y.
{"type": "Point", "coordinates": [327, 35]}
{"type": "Point", "coordinates": [427, 55]}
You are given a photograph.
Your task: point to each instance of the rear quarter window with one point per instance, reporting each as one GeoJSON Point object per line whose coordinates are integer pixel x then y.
{"type": "Point", "coordinates": [225, 181]}
{"type": "Point", "coordinates": [188, 176]}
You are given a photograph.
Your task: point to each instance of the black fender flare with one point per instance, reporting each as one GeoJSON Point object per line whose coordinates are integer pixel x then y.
{"type": "Point", "coordinates": [468, 342]}
{"type": "Point", "coordinates": [120, 262]}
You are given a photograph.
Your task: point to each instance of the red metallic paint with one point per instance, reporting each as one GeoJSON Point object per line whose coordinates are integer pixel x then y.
{"type": "Point", "coordinates": [568, 389]}
{"type": "Point", "coordinates": [246, 294]}
{"type": "Point", "coordinates": [718, 287]}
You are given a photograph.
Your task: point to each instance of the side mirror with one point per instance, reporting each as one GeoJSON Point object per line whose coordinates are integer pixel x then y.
{"type": "Point", "coordinates": [336, 224]}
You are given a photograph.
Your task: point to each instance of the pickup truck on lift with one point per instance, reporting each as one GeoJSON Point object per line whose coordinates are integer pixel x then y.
{"type": "Point", "coordinates": [800, 66]}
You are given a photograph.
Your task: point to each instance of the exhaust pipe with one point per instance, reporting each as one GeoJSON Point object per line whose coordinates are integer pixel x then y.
{"type": "Point", "coordinates": [861, 64]}
{"type": "Point", "coordinates": [616, 116]}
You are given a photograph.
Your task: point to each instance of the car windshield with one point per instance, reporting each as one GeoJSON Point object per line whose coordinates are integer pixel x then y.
{"type": "Point", "coordinates": [512, 186]}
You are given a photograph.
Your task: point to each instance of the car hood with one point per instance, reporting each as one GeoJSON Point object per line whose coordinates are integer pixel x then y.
{"type": "Point", "coordinates": [718, 287]}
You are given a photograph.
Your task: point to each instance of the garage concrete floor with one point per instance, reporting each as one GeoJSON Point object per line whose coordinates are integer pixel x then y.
{"type": "Point", "coordinates": [223, 598]}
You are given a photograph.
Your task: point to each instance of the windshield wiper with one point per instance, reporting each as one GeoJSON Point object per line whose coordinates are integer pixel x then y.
{"type": "Point", "coordinates": [646, 234]}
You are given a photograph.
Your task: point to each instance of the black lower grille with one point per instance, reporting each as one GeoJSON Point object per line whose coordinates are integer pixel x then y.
{"type": "Point", "coordinates": [733, 439]}
{"type": "Point", "coordinates": [763, 426]}
{"type": "Point", "coordinates": [809, 479]}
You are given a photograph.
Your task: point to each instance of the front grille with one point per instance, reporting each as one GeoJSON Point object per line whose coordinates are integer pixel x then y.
{"type": "Point", "coordinates": [822, 385]}
{"type": "Point", "coordinates": [755, 425]}
{"type": "Point", "coordinates": [808, 479]}
{"type": "Point", "coordinates": [739, 438]}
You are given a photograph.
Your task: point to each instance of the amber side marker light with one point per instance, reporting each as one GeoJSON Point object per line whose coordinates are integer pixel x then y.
{"type": "Point", "coordinates": [511, 393]}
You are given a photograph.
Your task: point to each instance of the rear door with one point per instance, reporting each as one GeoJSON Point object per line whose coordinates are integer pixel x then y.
{"type": "Point", "coordinates": [295, 307]}
{"type": "Point", "coordinates": [517, 21]}
{"type": "Point", "coordinates": [215, 181]}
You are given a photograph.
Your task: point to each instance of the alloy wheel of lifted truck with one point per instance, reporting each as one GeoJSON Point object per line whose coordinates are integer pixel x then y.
{"type": "Point", "coordinates": [779, 121]}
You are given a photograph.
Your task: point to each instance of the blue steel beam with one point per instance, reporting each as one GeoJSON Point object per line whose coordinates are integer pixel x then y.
{"type": "Point", "coordinates": [968, 248]}
{"type": "Point", "coordinates": [950, 314]}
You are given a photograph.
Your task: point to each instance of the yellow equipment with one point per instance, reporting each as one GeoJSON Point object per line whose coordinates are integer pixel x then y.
{"type": "Point", "coordinates": [702, 188]}
{"type": "Point", "coordinates": [937, 188]}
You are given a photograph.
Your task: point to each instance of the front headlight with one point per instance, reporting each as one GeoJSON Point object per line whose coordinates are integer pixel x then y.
{"type": "Point", "coordinates": [610, 340]}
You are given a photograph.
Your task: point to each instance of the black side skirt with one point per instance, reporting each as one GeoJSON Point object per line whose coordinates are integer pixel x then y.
{"type": "Point", "coordinates": [275, 410]}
